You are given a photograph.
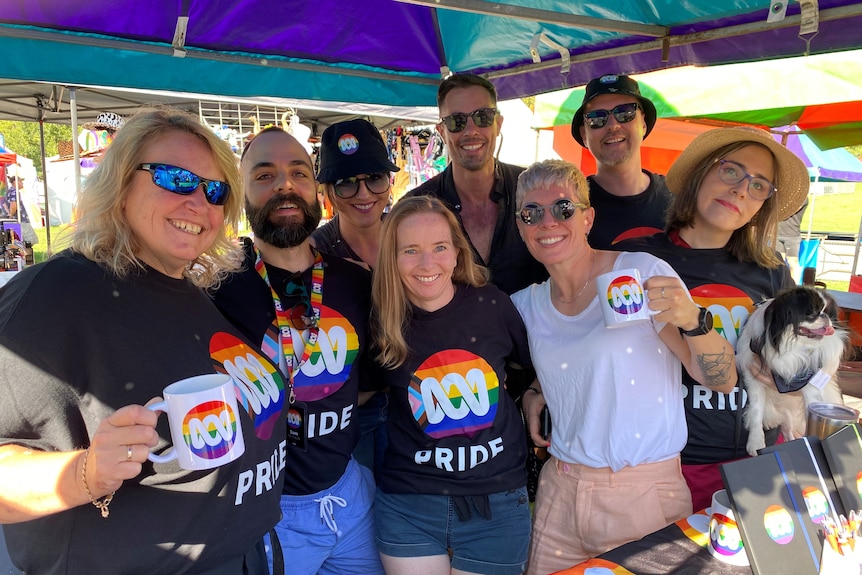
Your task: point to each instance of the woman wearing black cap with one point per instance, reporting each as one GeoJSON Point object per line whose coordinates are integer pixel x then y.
{"type": "Point", "coordinates": [355, 171]}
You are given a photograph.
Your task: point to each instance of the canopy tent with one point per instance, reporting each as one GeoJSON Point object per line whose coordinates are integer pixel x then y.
{"type": "Point", "coordinates": [7, 157]}
{"type": "Point", "coordinates": [28, 101]}
{"type": "Point", "coordinates": [836, 165]}
{"type": "Point", "coordinates": [821, 95]}
{"type": "Point", "coordinates": [396, 51]}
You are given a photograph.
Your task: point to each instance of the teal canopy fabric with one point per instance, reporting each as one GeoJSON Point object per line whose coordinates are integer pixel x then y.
{"type": "Point", "coordinates": [389, 51]}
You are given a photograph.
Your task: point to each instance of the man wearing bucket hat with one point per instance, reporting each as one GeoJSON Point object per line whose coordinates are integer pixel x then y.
{"type": "Point", "coordinates": [613, 120]}
{"type": "Point", "coordinates": [355, 172]}
{"type": "Point", "coordinates": [731, 186]}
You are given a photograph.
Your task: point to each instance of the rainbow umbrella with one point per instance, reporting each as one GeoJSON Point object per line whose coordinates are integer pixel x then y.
{"type": "Point", "coordinates": [821, 95]}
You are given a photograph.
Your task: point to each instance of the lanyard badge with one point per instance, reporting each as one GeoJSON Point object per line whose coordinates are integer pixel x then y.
{"type": "Point", "coordinates": [297, 412]}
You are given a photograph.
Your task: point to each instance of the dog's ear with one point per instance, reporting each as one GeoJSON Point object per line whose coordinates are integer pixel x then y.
{"type": "Point", "coordinates": [832, 308]}
{"type": "Point", "coordinates": [776, 317]}
{"type": "Point", "coordinates": [756, 343]}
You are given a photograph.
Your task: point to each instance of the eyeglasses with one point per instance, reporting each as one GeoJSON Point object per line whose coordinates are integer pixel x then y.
{"type": "Point", "coordinates": [483, 118]}
{"type": "Point", "coordinates": [759, 188]}
{"type": "Point", "coordinates": [300, 314]}
{"type": "Point", "coordinates": [349, 187]}
{"type": "Point", "coordinates": [183, 182]}
{"type": "Point", "coordinates": [562, 210]}
{"type": "Point", "coordinates": [624, 113]}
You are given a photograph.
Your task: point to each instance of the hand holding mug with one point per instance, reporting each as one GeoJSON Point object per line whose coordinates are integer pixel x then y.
{"type": "Point", "coordinates": [206, 430]}
{"type": "Point", "coordinates": [669, 299]}
{"type": "Point", "coordinates": [118, 447]}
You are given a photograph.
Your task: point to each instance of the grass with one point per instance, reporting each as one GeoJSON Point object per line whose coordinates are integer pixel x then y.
{"type": "Point", "coordinates": [838, 212]}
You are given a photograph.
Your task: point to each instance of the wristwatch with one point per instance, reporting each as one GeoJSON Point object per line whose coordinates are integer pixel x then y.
{"type": "Point", "coordinates": [704, 324]}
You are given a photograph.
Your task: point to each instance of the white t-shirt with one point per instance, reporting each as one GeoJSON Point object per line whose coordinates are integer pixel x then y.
{"type": "Point", "coordinates": [615, 395]}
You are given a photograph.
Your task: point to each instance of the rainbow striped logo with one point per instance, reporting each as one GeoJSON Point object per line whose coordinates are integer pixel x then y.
{"type": "Point", "coordinates": [209, 429]}
{"type": "Point", "coordinates": [816, 503]}
{"type": "Point", "coordinates": [779, 524]}
{"type": "Point", "coordinates": [625, 295]}
{"type": "Point", "coordinates": [724, 535]}
{"type": "Point", "coordinates": [454, 392]}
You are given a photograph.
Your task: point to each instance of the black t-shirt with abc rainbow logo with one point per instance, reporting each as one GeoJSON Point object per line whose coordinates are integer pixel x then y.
{"type": "Point", "coordinates": [458, 431]}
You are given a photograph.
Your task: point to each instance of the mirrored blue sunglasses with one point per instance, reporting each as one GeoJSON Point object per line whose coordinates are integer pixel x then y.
{"type": "Point", "coordinates": [183, 182]}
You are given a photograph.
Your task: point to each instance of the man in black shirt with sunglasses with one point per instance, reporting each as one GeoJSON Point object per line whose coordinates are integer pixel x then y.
{"type": "Point", "coordinates": [612, 122]}
{"type": "Point", "coordinates": [476, 187]}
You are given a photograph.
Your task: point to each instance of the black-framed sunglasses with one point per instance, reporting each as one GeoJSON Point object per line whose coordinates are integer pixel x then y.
{"type": "Point", "coordinates": [759, 188]}
{"type": "Point", "coordinates": [624, 113]}
{"type": "Point", "coordinates": [184, 182]}
{"type": "Point", "coordinates": [562, 210]}
{"type": "Point", "coordinates": [299, 313]}
{"type": "Point", "coordinates": [483, 118]}
{"type": "Point", "coordinates": [349, 187]}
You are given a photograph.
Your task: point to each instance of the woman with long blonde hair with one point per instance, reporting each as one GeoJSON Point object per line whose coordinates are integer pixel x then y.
{"type": "Point", "coordinates": [454, 474]}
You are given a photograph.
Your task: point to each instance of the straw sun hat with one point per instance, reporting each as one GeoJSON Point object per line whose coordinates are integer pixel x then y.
{"type": "Point", "coordinates": [791, 185]}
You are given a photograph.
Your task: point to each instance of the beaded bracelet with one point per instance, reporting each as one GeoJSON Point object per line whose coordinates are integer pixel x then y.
{"type": "Point", "coordinates": [101, 503]}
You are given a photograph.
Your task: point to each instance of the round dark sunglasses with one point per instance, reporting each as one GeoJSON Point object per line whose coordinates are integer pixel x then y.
{"type": "Point", "coordinates": [759, 188]}
{"type": "Point", "coordinates": [349, 187]}
{"type": "Point", "coordinates": [562, 210]}
{"type": "Point", "coordinates": [483, 118]}
{"type": "Point", "coordinates": [624, 113]}
{"type": "Point", "coordinates": [183, 182]}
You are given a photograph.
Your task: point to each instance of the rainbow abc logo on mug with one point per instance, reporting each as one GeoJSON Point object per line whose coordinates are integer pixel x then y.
{"type": "Point", "coordinates": [622, 298]}
{"type": "Point", "coordinates": [209, 429]}
{"type": "Point", "coordinates": [206, 431]}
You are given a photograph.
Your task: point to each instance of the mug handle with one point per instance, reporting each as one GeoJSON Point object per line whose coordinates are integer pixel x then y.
{"type": "Point", "coordinates": [171, 453]}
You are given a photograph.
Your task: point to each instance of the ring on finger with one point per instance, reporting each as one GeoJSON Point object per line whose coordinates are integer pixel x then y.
{"type": "Point", "coordinates": [128, 453]}
{"type": "Point", "coordinates": [662, 293]}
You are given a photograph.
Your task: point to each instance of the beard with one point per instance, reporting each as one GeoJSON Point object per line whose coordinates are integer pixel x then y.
{"type": "Point", "coordinates": [283, 232]}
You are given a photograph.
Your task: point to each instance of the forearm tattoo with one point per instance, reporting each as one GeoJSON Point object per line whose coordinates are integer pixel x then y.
{"type": "Point", "coordinates": [715, 368]}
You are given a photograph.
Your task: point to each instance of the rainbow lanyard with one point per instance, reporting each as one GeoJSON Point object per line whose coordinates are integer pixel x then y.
{"type": "Point", "coordinates": [283, 317]}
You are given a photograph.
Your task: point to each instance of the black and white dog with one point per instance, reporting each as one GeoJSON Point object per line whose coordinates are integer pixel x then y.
{"type": "Point", "coordinates": [793, 340]}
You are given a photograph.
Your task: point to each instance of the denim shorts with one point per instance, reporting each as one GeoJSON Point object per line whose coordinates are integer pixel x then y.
{"type": "Point", "coordinates": [411, 525]}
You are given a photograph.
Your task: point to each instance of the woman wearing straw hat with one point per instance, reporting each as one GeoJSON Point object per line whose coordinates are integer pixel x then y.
{"type": "Point", "coordinates": [731, 186]}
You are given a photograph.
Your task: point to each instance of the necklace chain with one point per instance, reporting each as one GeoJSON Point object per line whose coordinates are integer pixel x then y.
{"type": "Point", "coordinates": [586, 283]}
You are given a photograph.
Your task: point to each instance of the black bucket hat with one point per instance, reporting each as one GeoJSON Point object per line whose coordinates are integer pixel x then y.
{"type": "Point", "coordinates": [613, 84]}
{"type": "Point", "coordinates": [350, 148]}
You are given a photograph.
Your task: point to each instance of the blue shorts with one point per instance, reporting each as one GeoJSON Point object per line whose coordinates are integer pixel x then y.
{"type": "Point", "coordinates": [411, 525]}
{"type": "Point", "coordinates": [330, 532]}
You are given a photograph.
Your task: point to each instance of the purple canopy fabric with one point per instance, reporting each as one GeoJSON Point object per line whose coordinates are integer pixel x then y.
{"type": "Point", "coordinates": [390, 51]}
{"type": "Point", "coordinates": [837, 165]}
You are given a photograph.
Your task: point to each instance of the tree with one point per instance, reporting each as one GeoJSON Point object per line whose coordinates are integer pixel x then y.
{"type": "Point", "coordinates": [23, 138]}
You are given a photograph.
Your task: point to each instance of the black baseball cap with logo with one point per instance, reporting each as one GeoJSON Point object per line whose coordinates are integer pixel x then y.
{"type": "Point", "coordinates": [350, 148]}
{"type": "Point", "coordinates": [613, 84]}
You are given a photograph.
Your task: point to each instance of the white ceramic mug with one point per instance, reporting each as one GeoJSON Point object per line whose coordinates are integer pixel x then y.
{"type": "Point", "coordinates": [622, 298]}
{"type": "Point", "coordinates": [205, 424]}
{"type": "Point", "coordinates": [725, 541]}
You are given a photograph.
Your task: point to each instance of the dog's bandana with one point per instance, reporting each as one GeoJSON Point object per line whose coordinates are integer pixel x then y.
{"type": "Point", "coordinates": [795, 383]}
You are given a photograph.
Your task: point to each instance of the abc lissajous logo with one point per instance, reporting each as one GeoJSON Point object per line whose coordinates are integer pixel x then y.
{"type": "Point", "coordinates": [348, 144]}
{"type": "Point", "coordinates": [209, 429]}
{"type": "Point", "coordinates": [294, 418]}
{"type": "Point", "coordinates": [625, 295]}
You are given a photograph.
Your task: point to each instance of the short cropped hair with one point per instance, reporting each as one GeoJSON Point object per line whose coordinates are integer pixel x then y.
{"type": "Point", "coordinates": [464, 81]}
